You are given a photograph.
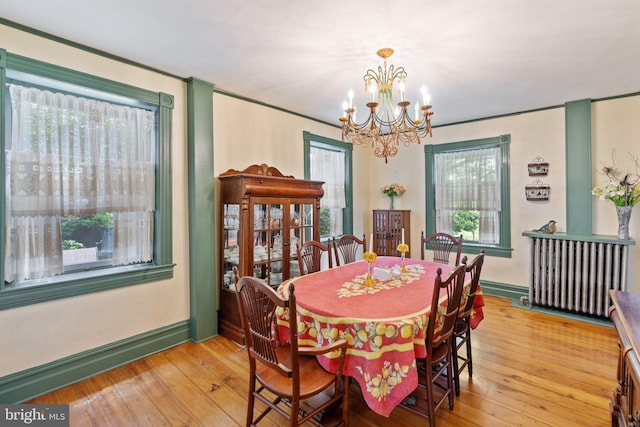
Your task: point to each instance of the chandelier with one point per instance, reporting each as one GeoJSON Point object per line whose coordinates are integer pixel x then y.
{"type": "Point", "coordinates": [388, 124]}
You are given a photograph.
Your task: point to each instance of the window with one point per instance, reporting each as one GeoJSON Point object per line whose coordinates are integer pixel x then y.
{"type": "Point", "coordinates": [84, 183]}
{"type": "Point", "coordinates": [468, 192]}
{"type": "Point", "coordinates": [330, 161]}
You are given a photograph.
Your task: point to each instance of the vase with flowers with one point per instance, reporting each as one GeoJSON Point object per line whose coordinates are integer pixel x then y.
{"type": "Point", "coordinates": [392, 191]}
{"type": "Point", "coordinates": [624, 192]}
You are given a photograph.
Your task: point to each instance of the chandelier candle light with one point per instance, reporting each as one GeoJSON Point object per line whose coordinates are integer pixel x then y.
{"type": "Point", "coordinates": [388, 124]}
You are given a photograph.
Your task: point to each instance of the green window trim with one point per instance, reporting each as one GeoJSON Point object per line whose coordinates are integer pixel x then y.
{"type": "Point", "coordinates": [317, 141]}
{"type": "Point", "coordinates": [73, 284]}
{"type": "Point", "coordinates": [503, 249]}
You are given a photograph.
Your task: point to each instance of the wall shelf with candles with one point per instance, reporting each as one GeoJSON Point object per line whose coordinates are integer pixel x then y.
{"type": "Point", "coordinates": [388, 229]}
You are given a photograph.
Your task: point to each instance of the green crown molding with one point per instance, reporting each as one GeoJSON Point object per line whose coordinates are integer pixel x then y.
{"type": "Point", "coordinates": [284, 110]}
{"type": "Point", "coordinates": [33, 382]}
{"type": "Point", "coordinates": [83, 47]}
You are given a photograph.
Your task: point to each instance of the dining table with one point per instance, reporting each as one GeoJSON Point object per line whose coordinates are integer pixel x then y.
{"type": "Point", "coordinates": [384, 321]}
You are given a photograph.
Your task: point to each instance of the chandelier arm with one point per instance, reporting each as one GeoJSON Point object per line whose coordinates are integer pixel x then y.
{"type": "Point", "coordinates": [384, 129]}
{"type": "Point", "coordinates": [363, 125]}
{"type": "Point", "coordinates": [371, 75]}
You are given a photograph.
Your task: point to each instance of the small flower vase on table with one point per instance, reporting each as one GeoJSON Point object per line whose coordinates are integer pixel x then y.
{"type": "Point", "coordinates": [403, 249]}
{"type": "Point", "coordinates": [624, 214]}
{"type": "Point", "coordinates": [391, 203]}
{"type": "Point", "coordinates": [370, 257]}
{"type": "Point", "coordinates": [623, 189]}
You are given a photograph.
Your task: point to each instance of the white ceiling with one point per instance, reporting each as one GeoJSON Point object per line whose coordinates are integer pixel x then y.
{"type": "Point", "coordinates": [478, 58]}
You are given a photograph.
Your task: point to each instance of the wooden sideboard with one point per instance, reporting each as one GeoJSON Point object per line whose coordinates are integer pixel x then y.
{"type": "Point", "coordinates": [625, 314]}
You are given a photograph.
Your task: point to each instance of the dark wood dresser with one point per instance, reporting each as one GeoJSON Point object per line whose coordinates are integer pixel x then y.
{"type": "Point", "coordinates": [625, 314]}
{"type": "Point", "coordinates": [387, 231]}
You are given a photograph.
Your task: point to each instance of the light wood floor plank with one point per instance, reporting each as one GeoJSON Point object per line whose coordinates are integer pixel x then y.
{"type": "Point", "coordinates": [530, 369]}
{"type": "Point", "coordinates": [142, 407]}
{"type": "Point", "coordinates": [185, 391]}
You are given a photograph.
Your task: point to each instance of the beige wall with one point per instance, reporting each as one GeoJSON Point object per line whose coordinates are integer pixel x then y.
{"type": "Point", "coordinates": [542, 133]}
{"type": "Point", "coordinates": [535, 134]}
{"type": "Point", "coordinates": [245, 134]}
{"type": "Point", "coordinates": [40, 333]}
{"type": "Point", "coordinates": [615, 130]}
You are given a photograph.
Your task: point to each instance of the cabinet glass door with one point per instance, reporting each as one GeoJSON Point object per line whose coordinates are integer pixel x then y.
{"type": "Point", "coordinates": [300, 231]}
{"type": "Point", "coordinates": [231, 226]}
{"type": "Point", "coordinates": [268, 242]}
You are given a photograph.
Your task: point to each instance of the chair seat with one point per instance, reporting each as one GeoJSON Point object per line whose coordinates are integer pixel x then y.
{"type": "Point", "coordinates": [461, 326]}
{"type": "Point", "coordinates": [440, 353]}
{"type": "Point", "coordinates": [314, 381]}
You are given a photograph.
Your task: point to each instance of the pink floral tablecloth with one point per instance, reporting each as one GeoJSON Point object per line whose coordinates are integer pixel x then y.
{"type": "Point", "coordinates": [384, 325]}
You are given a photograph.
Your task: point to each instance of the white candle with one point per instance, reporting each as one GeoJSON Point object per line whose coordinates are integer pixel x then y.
{"type": "Point", "coordinates": [371, 242]}
{"type": "Point", "coordinates": [403, 236]}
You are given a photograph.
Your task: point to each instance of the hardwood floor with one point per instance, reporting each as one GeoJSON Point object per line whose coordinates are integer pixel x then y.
{"type": "Point", "coordinates": [529, 369]}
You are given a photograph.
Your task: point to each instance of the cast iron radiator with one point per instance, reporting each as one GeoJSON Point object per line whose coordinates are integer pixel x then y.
{"type": "Point", "coordinates": [575, 273]}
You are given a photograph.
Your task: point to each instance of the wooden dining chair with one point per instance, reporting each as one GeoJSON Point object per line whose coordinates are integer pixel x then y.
{"type": "Point", "coordinates": [281, 375]}
{"type": "Point", "coordinates": [435, 371]}
{"type": "Point", "coordinates": [347, 248]}
{"type": "Point", "coordinates": [462, 332]}
{"type": "Point", "coordinates": [310, 256]}
{"type": "Point", "coordinates": [441, 244]}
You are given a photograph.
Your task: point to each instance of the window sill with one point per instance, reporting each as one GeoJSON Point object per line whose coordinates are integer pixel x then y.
{"type": "Point", "coordinates": [81, 283]}
{"type": "Point", "coordinates": [489, 250]}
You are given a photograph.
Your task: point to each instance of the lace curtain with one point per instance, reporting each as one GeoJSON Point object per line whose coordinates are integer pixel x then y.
{"type": "Point", "coordinates": [328, 166]}
{"type": "Point", "coordinates": [70, 155]}
{"type": "Point", "coordinates": [469, 180]}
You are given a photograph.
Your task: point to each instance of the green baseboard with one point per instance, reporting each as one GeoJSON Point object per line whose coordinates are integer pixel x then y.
{"type": "Point", "coordinates": [503, 290]}
{"type": "Point", "coordinates": [519, 299]}
{"type": "Point", "coordinates": [27, 384]}
{"type": "Point", "coordinates": [602, 321]}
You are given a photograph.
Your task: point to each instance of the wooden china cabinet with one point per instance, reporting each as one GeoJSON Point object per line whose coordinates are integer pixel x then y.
{"type": "Point", "coordinates": [625, 404]}
{"type": "Point", "coordinates": [387, 231]}
{"type": "Point", "coordinates": [263, 215]}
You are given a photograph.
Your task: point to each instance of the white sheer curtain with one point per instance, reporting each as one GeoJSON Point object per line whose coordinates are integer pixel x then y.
{"type": "Point", "coordinates": [70, 155]}
{"type": "Point", "coordinates": [469, 180]}
{"type": "Point", "coordinates": [328, 166]}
